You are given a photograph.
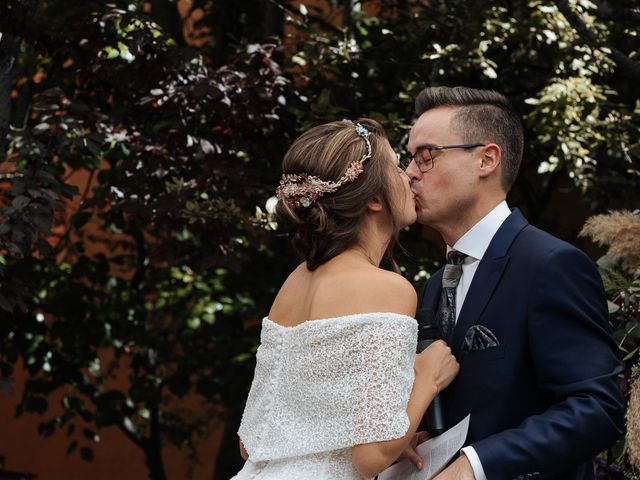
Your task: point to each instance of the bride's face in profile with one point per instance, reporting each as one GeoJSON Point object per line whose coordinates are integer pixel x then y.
{"type": "Point", "coordinates": [402, 198]}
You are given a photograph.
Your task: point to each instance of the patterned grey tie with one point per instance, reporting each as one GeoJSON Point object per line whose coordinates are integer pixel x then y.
{"type": "Point", "coordinates": [446, 314]}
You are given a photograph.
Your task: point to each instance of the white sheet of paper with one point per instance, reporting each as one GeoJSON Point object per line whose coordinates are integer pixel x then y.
{"type": "Point", "coordinates": [435, 454]}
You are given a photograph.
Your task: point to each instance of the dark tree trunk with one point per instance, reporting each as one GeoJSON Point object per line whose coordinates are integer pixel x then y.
{"type": "Point", "coordinates": [11, 13]}
{"type": "Point", "coordinates": [273, 21]}
{"type": "Point", "coordinates": [154, 450]}
{"type": "Point", "coordinates": [166, 14]}
{"type": "Point", "coordinates": [347, 8]}
{"type": "Point", "coordinates": [9, 46]}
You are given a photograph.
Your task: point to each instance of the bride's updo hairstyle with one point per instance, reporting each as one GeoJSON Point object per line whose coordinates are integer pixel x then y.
{"type": "Point", "coordinates": [326, 226]}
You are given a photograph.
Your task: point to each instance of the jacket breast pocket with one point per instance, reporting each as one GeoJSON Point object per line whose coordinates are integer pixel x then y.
{"type": "Point", "coordinates": [480, 381]}
{"type": "Point", "coordinates": [486, 354]}
{"type": "Point", "coordinates": [483, 368]}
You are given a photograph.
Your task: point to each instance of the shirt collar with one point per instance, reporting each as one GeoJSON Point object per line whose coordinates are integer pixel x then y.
{"type": "Point", "coordinates": [477, 239]}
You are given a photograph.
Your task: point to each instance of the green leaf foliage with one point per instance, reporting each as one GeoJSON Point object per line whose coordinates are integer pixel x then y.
{"type": "Point", "coordinates": [162, 263]}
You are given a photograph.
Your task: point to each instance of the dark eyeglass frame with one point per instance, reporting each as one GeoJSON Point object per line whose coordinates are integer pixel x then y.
{"type": "Point", "coordinates": [421, 161]}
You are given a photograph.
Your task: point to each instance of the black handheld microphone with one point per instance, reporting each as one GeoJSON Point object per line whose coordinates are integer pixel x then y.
{"type": "Point", "coordinates": [429, 332]}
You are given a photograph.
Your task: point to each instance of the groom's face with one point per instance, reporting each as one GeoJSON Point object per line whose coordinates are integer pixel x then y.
{"type": "Point", "coordinates": [445, 187]}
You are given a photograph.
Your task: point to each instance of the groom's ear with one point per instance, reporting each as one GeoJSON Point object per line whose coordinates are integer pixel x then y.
{"type": "Point", "coordinates": [491, 158]}
{"type": "Point", "coordinates": [375, 204]}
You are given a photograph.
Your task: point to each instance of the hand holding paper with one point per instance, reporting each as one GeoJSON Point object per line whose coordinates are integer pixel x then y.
{"type": "Point", "coordinates": [435, 454]}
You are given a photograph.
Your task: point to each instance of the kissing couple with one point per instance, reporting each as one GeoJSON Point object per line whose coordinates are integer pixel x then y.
{"type": "Point", "coordinates": [526, 349]}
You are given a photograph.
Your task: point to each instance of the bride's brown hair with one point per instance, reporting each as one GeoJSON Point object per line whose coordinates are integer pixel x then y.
{"type": "Point", "coordinates": [330, 224]}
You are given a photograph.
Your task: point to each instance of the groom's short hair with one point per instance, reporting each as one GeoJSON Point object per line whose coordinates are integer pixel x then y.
{"type": "Point", "coordinates": [482, 115]}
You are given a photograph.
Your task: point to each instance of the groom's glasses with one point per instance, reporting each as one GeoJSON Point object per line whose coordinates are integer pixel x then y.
{"type": "Point", "coordinates": [424, 156]}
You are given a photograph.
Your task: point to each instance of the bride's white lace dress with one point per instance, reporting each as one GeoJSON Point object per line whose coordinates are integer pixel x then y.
{"type": "Point", "coordinates": [322, 387]}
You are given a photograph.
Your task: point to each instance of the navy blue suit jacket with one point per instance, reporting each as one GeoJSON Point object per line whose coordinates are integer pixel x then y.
{"type": "Point", "coordinates": [546, 399]}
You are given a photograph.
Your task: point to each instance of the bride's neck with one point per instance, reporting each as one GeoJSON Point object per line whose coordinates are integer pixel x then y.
{"type": "Point", "coordinates": [372, 244]}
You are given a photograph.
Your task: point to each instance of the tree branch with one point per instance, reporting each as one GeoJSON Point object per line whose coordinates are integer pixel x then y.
{"type": "Point", "coordinates": [627, 67]}
{"type": "Point", "coordinates": [92, 392]}
{"type": "Point", "coordinates": [286, 7]}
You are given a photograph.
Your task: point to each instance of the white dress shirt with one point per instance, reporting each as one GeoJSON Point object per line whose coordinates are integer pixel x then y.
{"type": "Point", "coordinates": [474, 243]}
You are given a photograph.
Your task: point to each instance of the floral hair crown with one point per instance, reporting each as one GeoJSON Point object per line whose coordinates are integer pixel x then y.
{"type": "Point", "coordinates": [302, 189]}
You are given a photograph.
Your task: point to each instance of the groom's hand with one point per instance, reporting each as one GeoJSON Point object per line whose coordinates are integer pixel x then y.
{"type": "Point", "coordinates": [458, 470]}
{"type": "Point", "coordinates": [410, 452]}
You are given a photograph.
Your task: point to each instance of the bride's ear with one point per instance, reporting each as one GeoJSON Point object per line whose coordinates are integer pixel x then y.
{"type": "Point", "coordinates": [375, 204]}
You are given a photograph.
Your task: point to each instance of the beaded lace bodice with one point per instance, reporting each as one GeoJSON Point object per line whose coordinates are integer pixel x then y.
{"type": "Point", "coordinates": [322, 387]}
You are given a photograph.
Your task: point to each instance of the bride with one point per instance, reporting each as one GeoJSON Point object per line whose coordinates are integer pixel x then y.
{"type": "Point", "coordinates": [338, 390]}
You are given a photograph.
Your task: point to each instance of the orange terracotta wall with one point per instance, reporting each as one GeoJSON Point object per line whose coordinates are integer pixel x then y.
{"type": "Point", "coordinates": [115, 456]}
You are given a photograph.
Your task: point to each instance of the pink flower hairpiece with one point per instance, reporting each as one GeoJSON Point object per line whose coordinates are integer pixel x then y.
{"type": "Point", "coordinates": [303, 189]}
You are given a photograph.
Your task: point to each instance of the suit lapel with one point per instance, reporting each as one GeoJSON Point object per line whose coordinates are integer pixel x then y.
{"type": "Point", "coordinates": [487, 276]}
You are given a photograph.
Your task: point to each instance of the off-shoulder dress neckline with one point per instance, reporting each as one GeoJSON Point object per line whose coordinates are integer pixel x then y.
{"type": "Point", "coordinates": [331, 320]}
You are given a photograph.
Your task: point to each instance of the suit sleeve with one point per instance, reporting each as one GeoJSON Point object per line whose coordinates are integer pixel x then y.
{"type": "Point", "coordinates": [576, 363]}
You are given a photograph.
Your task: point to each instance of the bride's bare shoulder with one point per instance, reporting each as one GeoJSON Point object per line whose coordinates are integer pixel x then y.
{"type": "Point", "coordinates": [369, 289]}
{"type": "Point", "coordinates": [395, 289]}
{"type": "Point", "coordinates": [342, 289]}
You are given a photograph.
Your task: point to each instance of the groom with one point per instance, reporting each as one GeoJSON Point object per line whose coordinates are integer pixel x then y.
{"type": "Point", "coordinates": [526, 312]}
